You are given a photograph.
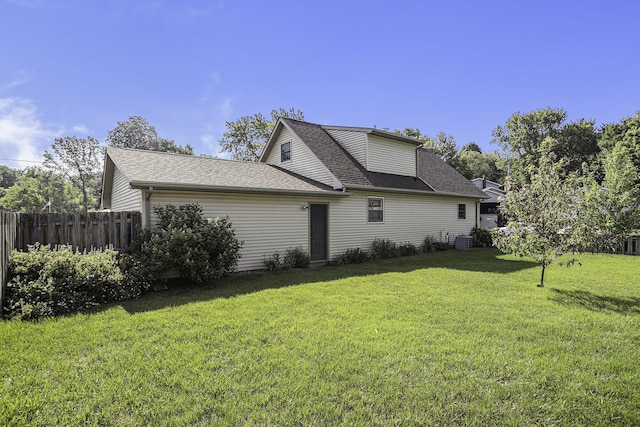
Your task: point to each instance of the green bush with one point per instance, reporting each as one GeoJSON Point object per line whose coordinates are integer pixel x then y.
{"type": "Point", "coordinates": [293, 258]}
{"type": "Point", "coordinates": [481, 237]}
{"type": "Point", "coordinates": [441, 246]}
{"type": "Point", "coordinates": [296, 258]}
{"type": "Point", "coordinates": [45, 282]}
{"type": "Point", "coordinates": [429, 244]}
{"type": "Point", "coordinates": [272, 262]}
{"type": "Point", "coordinates": [384, 248]}
{"type": "Point", "coordinates": [352, 256]}
{"type": "Point", "coordinates": [200, 249]}
{"type": "Point", "coordinates": [407, 249]}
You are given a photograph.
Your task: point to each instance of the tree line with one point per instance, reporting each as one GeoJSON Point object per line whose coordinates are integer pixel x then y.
{"type": "Point", "coordinates": [70, 178]}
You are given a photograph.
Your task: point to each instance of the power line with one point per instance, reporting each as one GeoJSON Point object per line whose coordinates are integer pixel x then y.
{"type": "Point", "coordinates": [20, 160]}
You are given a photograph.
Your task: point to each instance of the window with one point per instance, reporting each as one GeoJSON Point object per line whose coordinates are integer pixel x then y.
{"type": "Point", "coordinates": [462, 211]}
{"type": "Point", "coordinates": [285, 152]}
{"type": "Point", "coordinates": [375, 209]}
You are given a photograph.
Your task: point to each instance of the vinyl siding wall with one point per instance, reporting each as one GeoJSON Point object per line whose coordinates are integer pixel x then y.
{"type": "Point", "coordinates": [124, 198]}
{"type": "Point", "coordinates": [407, 218]}
{"type": "Point", "coordinates": [269, 223]}
{"type": "Point", "coordinates": [389, 156]}
{"type": "Point", "coordinates": [302, 162]}
{"type": "Point", "coordinates": [265, 223]}
{"type": "Point", "coordinates": [354, 142]}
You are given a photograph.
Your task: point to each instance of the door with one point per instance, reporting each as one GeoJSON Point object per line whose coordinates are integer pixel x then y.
{"type": "Point", "coordinates": [318, 220]}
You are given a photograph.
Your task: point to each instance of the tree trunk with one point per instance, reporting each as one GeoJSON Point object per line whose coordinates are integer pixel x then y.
{"type": "Point", "coordinates": [541, 285]}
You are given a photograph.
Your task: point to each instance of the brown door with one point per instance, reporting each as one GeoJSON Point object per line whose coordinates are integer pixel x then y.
{"type": "Point", "coordinates": [318, 220]}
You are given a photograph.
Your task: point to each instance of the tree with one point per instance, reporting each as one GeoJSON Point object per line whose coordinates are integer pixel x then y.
{"type": "Point", "coordinates": [139, 134]}
{"type": "Point", "coordinates": [246, 137]}
{"type": "Point", "coordinates": [620, 199]}
{"type": "Point", "coordinates": [8, 176]}
{"type": "Point", "coordinates": [473, 164]}
{"type": "Point", "coordinates": [79, 160]}
{"type": "Point", "coordinates": [25, 196]}
{"type": "Point", "coordinates": [522, 135]}
{"type": "Point", "coordinates": [38, 189]}
{"type": "Point", "coordinates": [445, 146]}
{"type": "Point", "coordinates": [547, 217]}
{"type": "Point", "coordinates": [577, 143]}
{"type": "Point", "coordinates": [471, 146]}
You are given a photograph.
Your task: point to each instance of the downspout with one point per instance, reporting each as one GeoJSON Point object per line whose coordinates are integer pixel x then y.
{"type": "Point", "coordinates": [147, 206]}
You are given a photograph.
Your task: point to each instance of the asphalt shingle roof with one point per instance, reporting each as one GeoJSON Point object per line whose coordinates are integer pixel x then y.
{"type": "Point", "coordinates": [442, 177]}
{"type": "Point", "coordinates": [434, 175]}
{"type": "Point", "coordinates": [142, 167]}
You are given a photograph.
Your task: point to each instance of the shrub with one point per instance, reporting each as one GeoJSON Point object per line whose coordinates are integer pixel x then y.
{"type": "Point", "coordinates": [200, 249]}
{"type": "Point", "coordinates": [429, 244]}
{"type": "Point", "coordinates": [296, 258]}
{"type": "Point", "coordinates": [441, 246]}
{"type": "Point", "coordinates": [481, 237]}
{"type": "Point", "coordinates": [407, 249]}
{"type": "Point", "coordinates": [384, 248]}
{"type": "Point", "coordinates": [45, 282]}
{"type": "Point", "coordinates": [272, 262]}
{"type": "Point", "coordinates": [352, 256]}
{"type": "Point", "coordinates": [293, 258]}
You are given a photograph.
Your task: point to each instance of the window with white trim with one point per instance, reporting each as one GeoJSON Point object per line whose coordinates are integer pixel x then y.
{"type": "Point", "coordinates": [375, 209]}
{"type": "Point", "coordinates": [462, 211]}
{"type": "Point", "coordinates": [285, 152]}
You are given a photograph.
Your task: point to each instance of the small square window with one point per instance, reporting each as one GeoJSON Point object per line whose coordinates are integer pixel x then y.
{"type": "Point", "coordinates": [375, 209]}
{"type": "Point", "coordinates": [285, 152]}
{"type": "Point", "coordinates": [462, 211]}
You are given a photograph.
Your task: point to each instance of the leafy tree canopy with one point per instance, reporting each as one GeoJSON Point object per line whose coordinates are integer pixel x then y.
{"type": "Point", "coordinates": [245, 138]}
{"type": "Point", "coordinates": [80, 161]}
{"type": "Point", "coordinates": [139, 134]}
{"type": "Point", "coordinates": [522, 136]}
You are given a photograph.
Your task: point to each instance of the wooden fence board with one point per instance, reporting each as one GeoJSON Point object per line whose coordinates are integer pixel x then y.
{"type": "Point", "coordinates": [8, 235]}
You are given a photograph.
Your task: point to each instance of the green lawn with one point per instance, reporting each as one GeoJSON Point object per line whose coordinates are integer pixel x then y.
{"type": "Point", "coordinates": [451, 338]}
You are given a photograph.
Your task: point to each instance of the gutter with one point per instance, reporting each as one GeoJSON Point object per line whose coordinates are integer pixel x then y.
{"type": "Point", "coordinates": [142, 185]}
{"type": "Point", "coordinates": [406, 190]}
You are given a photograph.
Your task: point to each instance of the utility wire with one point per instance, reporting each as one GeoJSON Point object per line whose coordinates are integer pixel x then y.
{"type": "Point", "coordinates": [19, 160]}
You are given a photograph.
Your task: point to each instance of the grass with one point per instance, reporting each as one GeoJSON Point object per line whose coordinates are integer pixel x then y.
{"type": "Point", "coordinates": [451, 338]}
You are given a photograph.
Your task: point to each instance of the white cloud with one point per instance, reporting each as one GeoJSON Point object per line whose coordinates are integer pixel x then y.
{"type": "Point", "coordinates": [25, 3]}
{"type": "Point", "coordinates": [225, 108]}
{"type": "Point", "coordinates": [23, 137]}
{"type": "Point", "coordinates": [81, 129]}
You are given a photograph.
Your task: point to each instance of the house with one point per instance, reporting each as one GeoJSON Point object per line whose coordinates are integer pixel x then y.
{"type": "Point", "coordinates": [323, 188]}
{"type": "Point", "coordinates": [489, 214]}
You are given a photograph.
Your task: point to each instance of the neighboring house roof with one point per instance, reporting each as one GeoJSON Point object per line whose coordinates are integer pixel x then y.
{"type": "Point", "coordinates": [143, 169]}
{"type": "Point", "coordinates": [480, 182]}
{"type": "Point", "coordinates": [434, 175]}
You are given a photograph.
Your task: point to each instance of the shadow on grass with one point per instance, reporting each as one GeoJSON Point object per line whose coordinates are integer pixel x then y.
{"type": "Point", "coordinates": [589, 301]}
{"type": "Point", "coordinates": [179, 293]}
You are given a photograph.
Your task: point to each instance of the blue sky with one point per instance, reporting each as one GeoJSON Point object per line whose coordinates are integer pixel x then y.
{"type": "Point", "coordinates": [77, 67]}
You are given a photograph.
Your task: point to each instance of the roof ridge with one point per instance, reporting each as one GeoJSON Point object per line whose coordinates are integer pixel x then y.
{"type": "Point", "coordinates": [193, 156]}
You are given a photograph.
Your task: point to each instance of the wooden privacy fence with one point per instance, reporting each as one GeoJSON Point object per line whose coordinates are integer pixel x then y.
{"type": "Point", "coordinates": [94, 230]}
{"type": "Point", "coordinates": [8, 227]}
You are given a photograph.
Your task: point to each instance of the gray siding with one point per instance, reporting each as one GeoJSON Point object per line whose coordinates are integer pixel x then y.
{"type": "Point", "coordinates": [352, 141]}
{"type": "Point", "coordinates": [265, 223]}
{"type": "Point", "coordinates": [303, 161]}
{"type": "Point", "coordinates": [407, 218]}
{"type": "Point", "coordinates": [275, 223]}
{"type": "Point", "coordinates": [124, 198]}
{"type": "Point", "coordinates": [389, 156]}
